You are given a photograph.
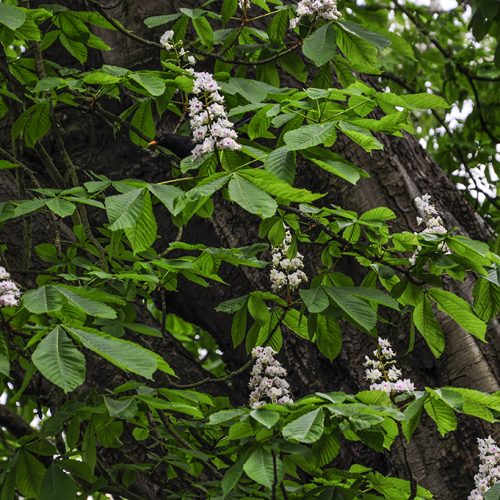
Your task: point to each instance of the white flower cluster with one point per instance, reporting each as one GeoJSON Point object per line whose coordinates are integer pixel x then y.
{"type": "Point", "coordinates": [325, 9]}
{"type": "Point", "coordinates": [382, 373]}
{"type": "Point", "coordinates": [244, 4]}
{"type": "Point", "coordinates": [209, 123]}
{"type": "Point", "coordinates": [433, 222]}
{"type": "Point", "coordinates": [268, 382]}
{"type": "Point", "coordinates": [166, 41]}
{"type": "Point", "coordinates": [9, 292]}
{"type": "Point", "coordinates": [429, 215]}
{"type": "Point", "coordinates": [489, 468]}
{"type": "Point", "coordinates": [286, 272]}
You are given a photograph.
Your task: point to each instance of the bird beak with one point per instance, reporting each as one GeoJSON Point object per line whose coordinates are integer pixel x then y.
{"type": "Point", "coordinates": [152, 143]}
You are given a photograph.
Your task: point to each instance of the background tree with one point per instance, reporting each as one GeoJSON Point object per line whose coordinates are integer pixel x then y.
{"type": "Point", "coordinates": [138, 265]}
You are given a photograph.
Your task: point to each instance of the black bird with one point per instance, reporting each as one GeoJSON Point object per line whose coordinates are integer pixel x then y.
{"type": "Point", "coordinates": [180, 145]}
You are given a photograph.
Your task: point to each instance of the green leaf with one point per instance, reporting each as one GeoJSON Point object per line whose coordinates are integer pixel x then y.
{"type": "Point", "coordinates": [360, 136]}
{"type": "Point", "coordinates": [124, 210]}
{"type": "Point", "coordinates": [11, 16]}
{"type": "Point", "coordinates": [251, 198]}
{"type": "Point", "coordinates": [268, 418]}
{"type": "Point", "coordinates": [37, 124]}
{"type": "Point", "coordinates": [232, 475]}
{"type": "Point", "coordinates": [165, 194]}
{"type": "Point", "coordinates": [273, 185]}
{"type": "Point", "coordinates": [4, 356]}
{"type": "Point", "coordinates": [59, 361]}
{"type": "Point", "coordinates": [321, 45]}
{"type": "Point", "coordinates": [57, 484]}
{"type": "Point", "coordinates": [424, 101]}
{"type": "Point", "coordinates": [29, 474]}
{"type": "Point", "coordinates": [42, 300]}
{"type": "Point", "coordinates": [204, 30]}
{"type": "Point", "coordinates": [308, 136]}
{"type": "Point", "coordinates": [306, 429]}
{"type": "Point", "coordinates": [260, 467]}
{"type": "Point", "coordinates": [143, 234]}
{"type": "Point", "coordinates": [61, 207]}
{"type": "Point", "coordinates": [374, 38]}
{"type": "Point", "coordinates": [81, 301]}
{"type": "Point", "coordinates": [441, 413]}
{"type": "Point", "coordinates": [278, 27]}
{"type": "Point", "coordinates": [281, 163]}
{"type": "Point", "coordinates": [412, 416]}
{"type": "Point", "coordinates": [152, 22]}
{"type": "Point", "coordinates": [315, 299]}
{"type": "Point", "coordinates": [428, 326]}
{"type": "Point", "coordinates": [142, 120]}
{"type": "Point", "coordinates": [492, 493]}
{"type": "Point", "coordinates": [125, 409]}
{"type": "Point", "coordinates": [153, 84]}
{"type": "Point", "coordinates": [126, 355]}
{"type": "Point", "coordinates": [460, 311]}
{"type": "Point", "coordinates": [328, 337]}
{"type": "Point", "coordinates": [486, 299]}
{"type": "Point", "coordinates": [359, 51]}
{"type": "Point", "coordinates": [77, 49]}
{"type": "Point", "coordinates": [353, 307]}
{"type": "Point", "coordinates": [228, 10]}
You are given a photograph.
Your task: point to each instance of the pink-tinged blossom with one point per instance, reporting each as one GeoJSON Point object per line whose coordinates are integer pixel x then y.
{"type": "Point", "coordinates": [286, 272]}
{"type": "Point", "coordinates": [211, 128]}
{"type": "Point", "coordinates": [267, 382]}
{"type": "Point", "coordinates": [323, 9]}
{"type": "Point", "coordinates": [382, 372]}
{"type": "Point", "coordinates": [9, 291]}
{"type": "Point", "coordinates": [489, 468]}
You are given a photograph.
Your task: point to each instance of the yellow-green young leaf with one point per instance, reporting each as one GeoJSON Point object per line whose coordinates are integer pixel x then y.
{"type": "Point", "coordinates": [251, 198]}
{"type": "Point", "coordinates": [260, 467]}
{"type": "Point", "coordinates": [275, 186]}
{"type": "Point", "coordinates": [11, 16]}
{"type": "Point", "coordinates": [29, 474]}
{"type": "Point", "coordinates": [306, 429]}
{"type": "Point", "coordinates": [320, 46]}
{"type": "Point", "coordinates": [127, 355]}
{"type": "Point", "coordinates": [360, 136]}
{"type": "Point", "coordinates": [59, 361]}
{"type": "Point", "coordinates": [459, 311]}
{"type": "Point", "coordinates": [441, 413]}
{"type": "Point", "coordinates": [57, 484]}
{"type": "Point", "coordinates": [424, 101]}
{"type": "Point", "coordinates": [428, 326]}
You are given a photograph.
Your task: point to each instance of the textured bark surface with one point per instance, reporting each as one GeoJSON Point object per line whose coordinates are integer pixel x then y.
{"type": "Point", "coordinates": [398, 174]}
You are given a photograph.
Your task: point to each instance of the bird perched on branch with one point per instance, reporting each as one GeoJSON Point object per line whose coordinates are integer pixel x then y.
{"type": "Point", "coordinates": [180, 145]}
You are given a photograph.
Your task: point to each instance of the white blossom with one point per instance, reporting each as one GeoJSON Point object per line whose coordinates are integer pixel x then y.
{"type": "Point", "coordinates": [9, 291]}
{"type": "Point", "coordinates": [209, 123]}
{"type": "Point", "coordinates": [166, 39]}
{"type": "Point", "coordinates": [382, 373]}
{"type": "Point", "coordinates": [489, 468]}
{"type": "Point", "coordinates": [267, 382]}
{"type": "Point", "coordinates": [430, 218]}
{"type": "Point", "coordinates": [324, 9]}
{"type": "Point", "coordinates": [244, 4]}
{"type": "Point", "coordinates": [286, 272]}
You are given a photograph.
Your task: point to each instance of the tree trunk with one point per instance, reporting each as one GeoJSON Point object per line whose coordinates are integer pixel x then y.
{"type": "Point", "coordinates": [398, 173]}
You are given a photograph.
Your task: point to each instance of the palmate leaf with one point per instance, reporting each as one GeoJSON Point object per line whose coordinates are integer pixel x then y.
{"type": "Point", "coordinates": [124, 210]}
{"type": "Point", "coordinates": [321, 46]}
{"type": "Point", "coordinates": [251, 198]}
{"type": "Point", "coordinates": [459, 311]}
{"type": "Point", "coordinates": [42, 300]}
{"type": "Point", "coordinates": [308, 136]}
{"type": "Point", "coordinates": [59, 361]}
{"type": "Point", "coordinates": [306, 429]}
{"type": "Point", "coordinates": [441, 413]}
{"type": "Point", "coordinates": [260, 467]}
{"type": "Point", "coordinates": [126, 355]}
